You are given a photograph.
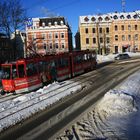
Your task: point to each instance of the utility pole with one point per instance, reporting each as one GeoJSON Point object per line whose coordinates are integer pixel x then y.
{"type": "Point", "coordinates": [97, 29]}
{"type": "Point", "coordinates": [104, 39]}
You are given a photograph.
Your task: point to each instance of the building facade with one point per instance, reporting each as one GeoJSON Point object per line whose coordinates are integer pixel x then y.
{"type": "Point", "coordinates": [49, 35]}
{"type": "Point", "coordinates": [110, 33]}
{"type": "Point", "coordinates": [20, 42]}
{"type": "Point", "coordinates": [6, 49]}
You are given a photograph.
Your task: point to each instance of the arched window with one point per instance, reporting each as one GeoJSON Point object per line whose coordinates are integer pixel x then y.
{"type": "Point", "coordinates": [122, 17]}
{"type": "Point", "coordinates": [93, 19]}
{"type": "Point", "coordinates": [116, 27]}
{"type": "Point", "coordinates": [107, 18]}
{"type": "Point", "coordinates": [115, 17]}
{"type": "Point", "coordinates": [86, 19]}
{"type": "Point", "coordinates": [100, 18]}
{"type": "Point", "coordinates": [128, 16]}
{"type": "Point", "coordinates": [135, 16]}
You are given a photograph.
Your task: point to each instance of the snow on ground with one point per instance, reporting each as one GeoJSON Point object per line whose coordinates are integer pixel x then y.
{"type": "Point", "coordinates": [115, 116]}
{"type": "Point", "coordinates": [35, 101]}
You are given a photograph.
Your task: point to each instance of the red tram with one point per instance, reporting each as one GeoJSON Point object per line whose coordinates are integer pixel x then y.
{"type": "Point", "coordinates": [28, 74]}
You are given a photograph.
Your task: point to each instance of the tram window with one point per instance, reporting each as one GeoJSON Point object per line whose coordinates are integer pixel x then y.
{"type": "Point", "coordinates": [21, 71]}
{"type": "Point", "coordinates": [6, 72]}
{"type": "Point", "coordinates": [63, 62]}
{"type": "Point", "coordinates": [31, 69]}
{"type": "Point", "coordinates": [14, 72]}
{"type": "Point", "coordinates": [43, 65]}
{"type": "Point", "coordinates": [78, 59]}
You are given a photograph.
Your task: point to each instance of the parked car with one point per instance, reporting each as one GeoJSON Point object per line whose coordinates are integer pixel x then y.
{"type": "Point", "coordinates": [122, 56]}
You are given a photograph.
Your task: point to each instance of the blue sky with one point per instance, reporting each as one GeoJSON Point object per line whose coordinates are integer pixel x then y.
{"type": "Point", "coordinates": [72, 9]}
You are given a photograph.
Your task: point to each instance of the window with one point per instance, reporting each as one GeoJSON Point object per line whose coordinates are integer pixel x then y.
{"type": "Point", "coordinates": [93, 19]}
{"type": "Point", "coordinates": [128, 16]}
{"type": "Point", "coordinates": [116, 28]}
{"type": "Point", "coordinates": [93, 30]}
{"type": "Point", "coordinates": [94, 40]}
{"type": "Point", "coordinates": [100, 30]}
{"type": "Point", "coordinates": [43, 35]}
{"type": "Point", "coordinates": [50, 35]}
{"type": "Point", "coordinates": [31, 70]}
{"type": "Point", "coordinates": [122, 27]}
{"type": "Point", "coordinates": [86, 30]}
{"type": "Point", "coordinates": [101, 40]}
{"type": "Point", "coordinates": [56, 45]}
{"type": "Point", "coordinates": [136, 27]}
{"type": "Point", "coordinates": [100, 18]}
{"type": "Point", "coordinates": [45, 46]}
{"type": "Point", "coordinates": [56, 35]}
{"type": "Point", "coordinates": [107, 40]}
{"type": "Point", "coordinates": [50, 45]}
{"type": "Point", "coordinates": [136, 37]}
{"type": "Point", "coordinates": [116, 37]}
{"type": "Point", "coordinates": [115, 17]}
{"type": "Point", "coordinates": [87, 40]}
{"type": "Point", "coordinates": [63, 45]}
{"type": "Point", "coordinates": [33, 37]}
{"type": "Point", "coordinates": [6, 72]}
{"type": "Point", "coordinates": [21, 71]}
{"type": "Point", "coordinates": [122, 17]}
{"type": "Point", "coordinates": [107, 30]}
{"type": "Point", "coordinates": [129, 37]}
{"type": "Point", "coordinates": [86, 19]}
{"type": "Point", "coordinates": [123, 37]}
{"type": "Point", "coordinates": [107, 18]}
{"type": "Point", "coordinates": [62, 35]}
{"type": "Point", "coordinates": [63, 62]}
{"type": "Point", "coordinates": [129, 27]}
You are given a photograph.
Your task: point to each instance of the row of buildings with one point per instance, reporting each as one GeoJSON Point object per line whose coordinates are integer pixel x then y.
{"type": "Point", "coordinates": [110, 33]}
{"type": "Point", "coordinates": [107, 33]}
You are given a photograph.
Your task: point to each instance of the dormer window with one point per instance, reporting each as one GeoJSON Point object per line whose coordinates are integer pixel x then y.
{"type": "Point", "coordinates": [122, 17]}
{"type": "Point", "coordinates": [128, 16]}
{"type": "Point", "coordinates": [100, 18]}
{"type": "Point", "coordinates": [43, 24]}
{"type": "Point", "coordinates": [135, 16]}
{"type": "Point", "coordinates": [86, 19]}
{"type": "Point", "coordinates": [55, 23]}
{"type": "Point", "coordinates": [49, 24]}
{"type": "Point", "coordinates": [61, 22]}
{"type": "Point", "coordinates": [107, 18]}
{"type": "Point", "coordinates": [115, 17]}
{"type": "Point", "coordinates": [93, 19]}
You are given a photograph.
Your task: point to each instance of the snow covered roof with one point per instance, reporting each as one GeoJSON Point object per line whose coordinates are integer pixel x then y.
{"type": "Point", "coordinates": [109, 17]}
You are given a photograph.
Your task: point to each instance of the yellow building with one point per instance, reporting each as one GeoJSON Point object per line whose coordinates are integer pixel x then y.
{"type": "Point", "coordinates": [110, 33]}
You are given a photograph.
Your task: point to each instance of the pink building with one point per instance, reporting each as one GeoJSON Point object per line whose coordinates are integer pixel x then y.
{"type": "Point", "coordinates": [49, 35]}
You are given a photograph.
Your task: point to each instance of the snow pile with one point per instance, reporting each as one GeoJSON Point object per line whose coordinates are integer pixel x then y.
{"type": "Point", "coordinates": [123, 99]}
{"type": "Point", "coordinates": [105, 58]}
{"type": "Point", "coordinates": [116, 103]}
{"type": "Point", "coordinates": [131, 54]}
{"type": "Point", "coordinates": [110, 57]}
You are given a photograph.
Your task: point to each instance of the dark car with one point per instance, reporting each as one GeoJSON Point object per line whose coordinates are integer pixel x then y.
{"type": "Point", "coordinates": [122, 56]}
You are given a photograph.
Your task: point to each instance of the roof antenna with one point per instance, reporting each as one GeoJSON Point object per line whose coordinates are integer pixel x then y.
{"type": "Point", "coordinates": [123, 5]}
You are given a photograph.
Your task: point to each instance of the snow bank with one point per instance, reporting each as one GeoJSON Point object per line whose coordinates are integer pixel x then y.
{"type": "Point", "coordinates": [116, 102]}
{"type": "Point", "coordinates": [110, 57]}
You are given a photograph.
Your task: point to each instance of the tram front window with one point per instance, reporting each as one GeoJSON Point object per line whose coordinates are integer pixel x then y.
{"type": "Point", "coordinates": [6, 72]}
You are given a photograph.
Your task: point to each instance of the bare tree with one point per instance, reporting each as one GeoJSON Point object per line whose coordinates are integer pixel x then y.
{"type": "Point", "coordinates": [12, 17]}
